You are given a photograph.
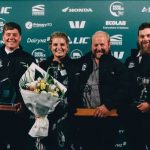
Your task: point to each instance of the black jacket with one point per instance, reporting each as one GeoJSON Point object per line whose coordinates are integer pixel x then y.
{"type": "Point", "coordinates": [113, 80]}
{"type": "Point", "coordinates": [71, 67]}
{"type": "Point", "coordinates": [138, 71]}
{"type": "Point", "coordinates": [12, 67]}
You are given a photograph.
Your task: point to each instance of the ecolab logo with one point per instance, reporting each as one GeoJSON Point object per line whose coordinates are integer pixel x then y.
{"type": "Point", "coordinates": [77, 10]}
{"type": "Point", "coordinates": [116, 9]}
{"type": "Point", "coordinates": [116, 39]}
{"type": "Point", "coordinates": [5, 10]}
{"type": "Point", "coordinates": [145, 10]}
{"type": "Point", "coordinates": [78, 40]}
{"type": "Point", "coordinates": [38, 10]}
{"type": "Point", "coordinates": [77, 24]}
{"type": "Point", "coordinates": [115, 23]}
{"type": "Point", "coordinates": [119, 25]}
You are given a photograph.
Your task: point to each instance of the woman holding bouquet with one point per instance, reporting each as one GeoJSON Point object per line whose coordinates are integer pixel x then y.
{"type": "Point", "coordinates": [61, 67]}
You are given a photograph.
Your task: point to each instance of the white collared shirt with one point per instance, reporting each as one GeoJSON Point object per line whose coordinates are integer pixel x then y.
{"type": "Point", "coordinates": [10, 51]}
{"type": "Point", "coordinates": [139, 56]}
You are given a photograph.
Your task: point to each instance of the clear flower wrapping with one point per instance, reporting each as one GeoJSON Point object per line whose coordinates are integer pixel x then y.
{"type": "Point", "coordinates": [41, 94]}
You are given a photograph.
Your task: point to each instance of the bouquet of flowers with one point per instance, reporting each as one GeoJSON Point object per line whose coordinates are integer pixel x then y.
{"type": "Point", "coordinates": [41, 94]}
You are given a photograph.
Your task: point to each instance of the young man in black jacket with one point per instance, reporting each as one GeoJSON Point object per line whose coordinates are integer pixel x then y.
{"type": "Point", "coordinates": [138, 127]}
{"type": "Point", "coordinates": [102, 84]}
{"type": "Point", "coordinates": [14, 61]}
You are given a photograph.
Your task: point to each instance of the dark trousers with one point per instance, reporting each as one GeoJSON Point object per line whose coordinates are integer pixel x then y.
{"type": "Point", "coordinates": [137, 126]}
{"type": "Point", "coordinates": [95, 133]}
{"type": "Point", "coordinates": [14, 130]}
{"type": "Point", "coordinates": [60, 136]}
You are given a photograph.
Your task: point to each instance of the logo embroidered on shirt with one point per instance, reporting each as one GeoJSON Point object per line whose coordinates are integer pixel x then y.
{"type": "Point", "coordinates": [131, 65]}
{"type": "Point", "coordinates": [84, 66]}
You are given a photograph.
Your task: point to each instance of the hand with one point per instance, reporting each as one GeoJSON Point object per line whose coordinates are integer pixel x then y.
{"type": "Point", "coordinates": [143, 107]}
{"type": "Point", "coordinates": [101, 111]}
{"type": "Point", "coordinates": [18, 107]}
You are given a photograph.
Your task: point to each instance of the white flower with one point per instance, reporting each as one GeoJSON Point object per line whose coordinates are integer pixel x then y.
{"type": "Point", "coordinates": [41, 96]}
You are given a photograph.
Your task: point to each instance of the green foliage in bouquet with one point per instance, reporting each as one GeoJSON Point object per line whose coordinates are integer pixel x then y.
{"type": "Point", "coordinates": [44, 83]}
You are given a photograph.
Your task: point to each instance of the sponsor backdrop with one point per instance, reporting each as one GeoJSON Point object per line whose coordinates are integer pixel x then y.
{"type": "Point", "coordinates": [79, 19]}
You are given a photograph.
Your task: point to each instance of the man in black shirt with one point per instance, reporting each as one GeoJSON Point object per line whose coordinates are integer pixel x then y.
{"type": "Point", "coordinates": [101, 84]}
{"type": "Point", "coordinates": [14, 61]}
{"type": "Point", "coordinates": [138, 114]}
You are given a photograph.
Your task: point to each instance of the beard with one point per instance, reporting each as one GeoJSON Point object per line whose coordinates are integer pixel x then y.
{"type": "Point", "coordinates": [145, 47]}
{"type": "Point", "coordinates": [98, 53]}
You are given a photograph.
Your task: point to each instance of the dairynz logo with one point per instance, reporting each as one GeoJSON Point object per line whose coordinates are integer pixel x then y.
{"type": "Point", "coordinates": [78, 40]}
{"type": "Point", "coordinates": [2, 22]}
{"type": "Point", "coordinates": [37, 41]}
{"type": "Point", "coordinates": [76, 53]}
{"type": "Point", "coordinates": [38, 10]}
{"type": "Point", "coordinates": [77, 24]}
{"type": "Point", "coordinates": [145, 10]}
{"type": "Point", "coordinates": [116, 39]}
{"type": "Point", "coordinates": [116, 9]}
{"type": "Point", "coordinates": [77, 10]}
{"type": "Point", "coordinates": [30, 25]}
{"type": "Point", "coordinates": [39, 55]}
{"type": "Point", "coordinates": [5, 10]}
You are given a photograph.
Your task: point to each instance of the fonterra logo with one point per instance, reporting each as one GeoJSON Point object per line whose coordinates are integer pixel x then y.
{"type": "Point", "coordinates": [116, 39]}
{"type": "Point", "coordinates": [2, 22]}
{"type": "Point", "coordinates": [116, 9]}
{"type": "Point", "coordinates": [39, 55]}
{"type": "Point", "coordinates": [77, 10]}
{"type": "Point", "coordinates": [76, 53]}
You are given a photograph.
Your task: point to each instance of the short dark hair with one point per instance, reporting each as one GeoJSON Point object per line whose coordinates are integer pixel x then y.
{"type": "Point", "coordinates": [59, 34]}
{"type": "Point", "coordinates": [143, 26]}
{"type": "Point", "coordinates": [11, 26]}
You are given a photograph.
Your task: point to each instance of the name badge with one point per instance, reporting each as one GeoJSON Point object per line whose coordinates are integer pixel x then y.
{"type": "Point", "coordinates": [63, 72]}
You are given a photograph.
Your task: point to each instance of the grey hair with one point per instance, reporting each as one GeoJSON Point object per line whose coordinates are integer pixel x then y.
{"type": "Point", "coordinates": [98, 32]}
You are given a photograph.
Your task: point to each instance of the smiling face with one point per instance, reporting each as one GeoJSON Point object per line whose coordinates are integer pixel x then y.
{"type": "Point", "coordinates": [100, 44]}
{"type": "Point", "coordinates": [144, 40]}
{"type": "Point", "coordinates": [59, 47]}
{"type": "Point", "coordinates": [11, 39]}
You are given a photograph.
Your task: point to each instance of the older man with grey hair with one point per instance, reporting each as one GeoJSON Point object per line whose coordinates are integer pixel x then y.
{"type": "Point", "coordinates": [103, 86]}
